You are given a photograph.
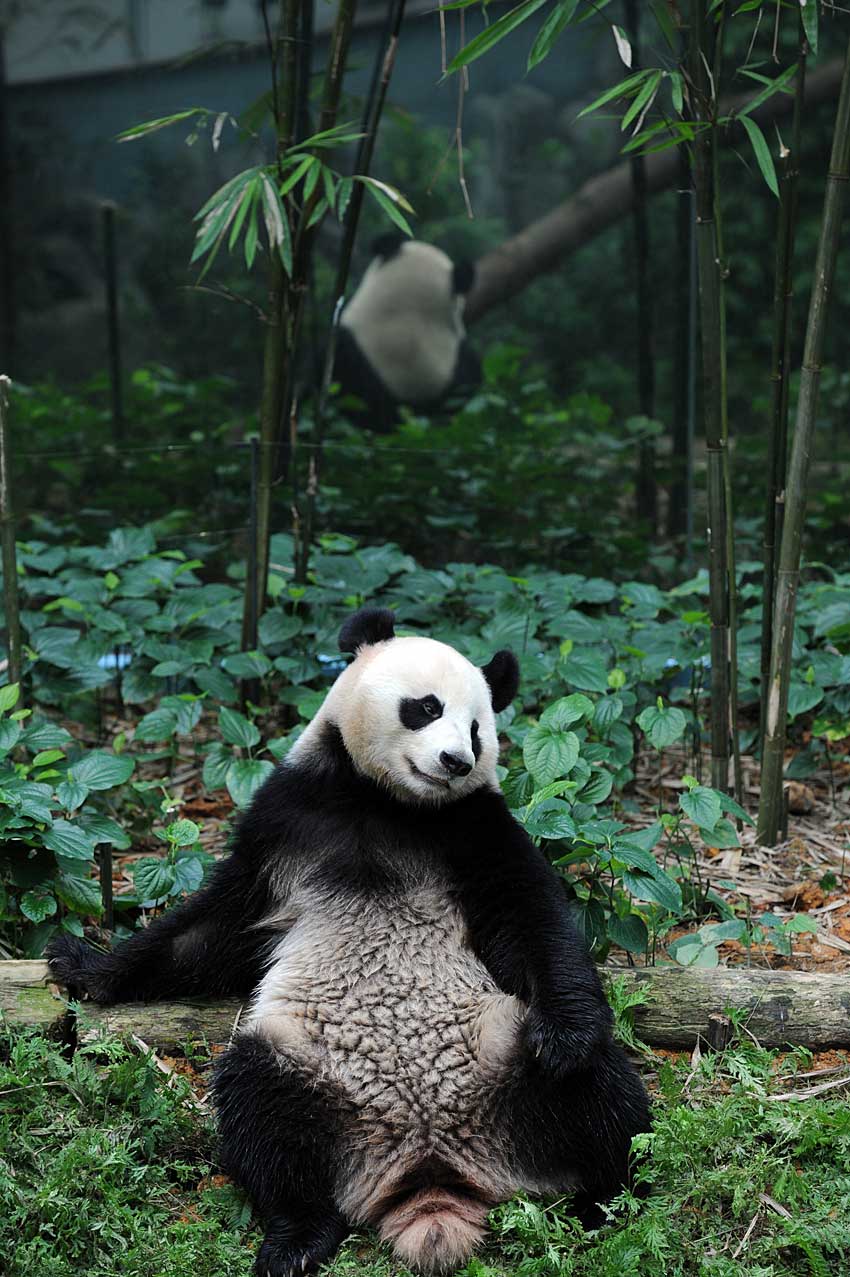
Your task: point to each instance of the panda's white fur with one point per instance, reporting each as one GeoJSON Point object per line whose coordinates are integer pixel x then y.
{"type": "Point", "coordinates": [407, 320]}
{"type": "Point", "coordinates": [425, 1033]}
{"type": "Point", "coordinates": [363, 703]}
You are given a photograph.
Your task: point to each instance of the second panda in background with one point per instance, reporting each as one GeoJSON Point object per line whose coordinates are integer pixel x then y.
{"type": "Point", "coordinates": [401, 337]}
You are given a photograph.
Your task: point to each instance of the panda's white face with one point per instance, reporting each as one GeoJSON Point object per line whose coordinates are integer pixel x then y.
{"type": "Point", "coordinates": [416, 717]}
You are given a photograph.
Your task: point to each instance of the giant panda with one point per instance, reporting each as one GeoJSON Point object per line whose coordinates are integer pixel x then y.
{"type": "Point", "coordinates": [425, 1033]}
{"type": "Point", "coordinates": [401, 338]}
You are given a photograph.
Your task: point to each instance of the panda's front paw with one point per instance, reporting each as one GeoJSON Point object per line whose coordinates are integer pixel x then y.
{"type": "Point", "coordinates": [557, 1048]}
{"type": "Point", "coordinates": [79, 968]}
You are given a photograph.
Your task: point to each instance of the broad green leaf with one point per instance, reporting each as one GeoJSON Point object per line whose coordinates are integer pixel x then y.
{"type": "Point", "coordinates": [597, 789]}
{"type": "Point", "coordinates": [629, 933]}
{"type": "Point", "coordinates": [159, 725]}
{"type": "Point", "coordinates": [154, 879]}
{"type": "Point", "coordinates": [37, 906]}
{"type": "Point", "coordinates": [607, 710]}
{"type": "Point", "coordinates": [10, 734]}
{"type": "Point", "coordinates": [584, 668]}
{"type": "Point", "coordinates": [72, 794]}
{"type": "Point", "coordinates": [661, 888]}
{"type": "Point", "coordinates": [236, 729]}
{"type": "Point", "coordinates": [182, 833]}
{"type": "Point", "coordinates": [104, 829]}
{"type": "Point", "coordinates": [566, 711]}
{"type": "Point", "coordinates": [216, 766]}
{"type": "Point", "coordinates": [9, 696]}
{"type": "Point", "coordinates": [247, 664]}
{"type": "Point", "coordinates": [188, 874]}
{"type": "Point", "coordinates": [47, 756]}
{"type": "Point", "coordinates": [722, 834]}
{"type": "Point", "coordinates": [79, 893]}
{"type": "Point", "coordinates": [550, 819]}
{"type": "Point", "coordinates": [245, 776]}
{"type": "Point", "coordinates": [102, 770]}
{"type": "Point", "coordinates": [276, 626]}
{"type": "Point", "coordinates": [69, 840]}
{"type": "Point", "coordinates": [549, 755]}
{"type": "Point", "coordinates": [662, 726]}
{"type": "Point", "coordinates": [734, 809]}
{"type": "Point", "coordinates": [702, 806]}
{"type": "Point", "coordinates": [762, 153]}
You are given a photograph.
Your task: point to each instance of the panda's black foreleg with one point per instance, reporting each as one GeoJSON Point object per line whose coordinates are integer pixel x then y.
{"type": "Point", "coordinates": [280, 1140]}
{"type": "Point", "coordinates": [577, 1130]}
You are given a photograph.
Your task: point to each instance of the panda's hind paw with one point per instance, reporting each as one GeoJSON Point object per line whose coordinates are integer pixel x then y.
{"type": "Point", "coordinates": [293, 1249]}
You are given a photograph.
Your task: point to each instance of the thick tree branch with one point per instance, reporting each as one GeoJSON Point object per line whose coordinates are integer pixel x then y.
{"type": "Point", "coordinates": [603, 200]}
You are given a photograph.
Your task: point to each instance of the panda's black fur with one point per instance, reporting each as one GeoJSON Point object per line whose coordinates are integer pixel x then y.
{"type": "Point", "coordinates": [427, 1033]}
{"type": "Point", "coordinates": [402, 331]}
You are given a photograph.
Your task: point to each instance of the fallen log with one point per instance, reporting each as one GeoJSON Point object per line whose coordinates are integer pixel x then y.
{"type": "Point", "coordinates": [781, 1008]}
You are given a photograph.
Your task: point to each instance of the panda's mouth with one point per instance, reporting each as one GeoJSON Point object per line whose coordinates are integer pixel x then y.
{"type": "Point", "coordinates": [440, 783]}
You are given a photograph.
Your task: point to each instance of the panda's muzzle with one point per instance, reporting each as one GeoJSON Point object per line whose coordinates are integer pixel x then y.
{"type": "Point", "coordinates": [455, 766]}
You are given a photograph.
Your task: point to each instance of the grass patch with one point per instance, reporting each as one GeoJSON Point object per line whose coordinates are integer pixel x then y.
{"type": "Point", "coordinates": [105, 1170]}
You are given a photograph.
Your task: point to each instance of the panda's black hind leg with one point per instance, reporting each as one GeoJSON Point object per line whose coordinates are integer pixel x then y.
{"type": "Point", "coordinates": [297, 1245]}
{"type": "Point", "coordinates": [279, 1139]}
{"type": "Point", "coordinates": [577, 1129]}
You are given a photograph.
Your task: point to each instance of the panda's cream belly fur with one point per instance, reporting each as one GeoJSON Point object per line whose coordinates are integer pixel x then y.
{"type": "Point", "coordinates": [386, 1003]}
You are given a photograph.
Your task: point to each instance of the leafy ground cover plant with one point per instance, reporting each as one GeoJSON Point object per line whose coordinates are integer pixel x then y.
{"type": "Point", "coordinates": [53, 817]}
{"type": "Point", "coordinates": [107, 1167]}
{"type": "Point", "coordinates": [136, 631]}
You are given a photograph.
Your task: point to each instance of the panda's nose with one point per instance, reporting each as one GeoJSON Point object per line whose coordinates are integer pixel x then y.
{"type": "Point", "coordinates": [454, 765]}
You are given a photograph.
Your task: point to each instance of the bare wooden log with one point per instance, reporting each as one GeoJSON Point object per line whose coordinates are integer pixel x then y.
{"type": "Point", "coordinates": [28, 997]}
{"type": "Point", "coordinates": [783, 1008]}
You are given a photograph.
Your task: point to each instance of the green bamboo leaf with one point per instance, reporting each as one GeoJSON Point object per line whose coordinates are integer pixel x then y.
{"type": "Point", "coordinates": [493, 34]}
{"type": "Point", "coordinates": [643, 100]}
{"type": "Point", "coordinates": [770, 87]}
{"type": "Point", "coordinates": [164, 122]}
{"type": "Point", "coordinates": [559, 18]}
{"type": "Point", "coordinates": [388, 198]}
{"type": "Point", "coordinates": [809, 15]}
{"type": "Point", "coordinates": [762, 153]}
{"type": "Point", "coordinates": [677, 90]}
{"type": "Point", "coordinates": [297, 173]}
{"type": "Point", "coordinates": [627, 86]}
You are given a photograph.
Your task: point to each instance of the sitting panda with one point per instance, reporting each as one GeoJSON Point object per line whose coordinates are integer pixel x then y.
{"type": "Point", "coordinates": [426, 1033]}
{"type": "Point", "coordinates": [401, 338]}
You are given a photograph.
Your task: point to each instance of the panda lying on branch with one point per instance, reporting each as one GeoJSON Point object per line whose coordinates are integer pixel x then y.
{"type": "Point", "coordinates": [426, 1033]}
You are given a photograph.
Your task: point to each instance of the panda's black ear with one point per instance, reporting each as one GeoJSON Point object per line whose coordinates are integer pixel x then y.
{"type": "Point", "coordinates": [502, 675]}
{"type": "Point", "coordinates": [369, 625]}
{"type": "Point", "coordinates": [463, 277]}
{"type": "Point", "coordinates": [386, 246]}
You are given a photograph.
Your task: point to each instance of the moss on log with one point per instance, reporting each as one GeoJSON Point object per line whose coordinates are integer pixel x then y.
{"type": "Point", "coordinates": [782, 1008]}
{"type": "Point", "coordinates": [28, 997]}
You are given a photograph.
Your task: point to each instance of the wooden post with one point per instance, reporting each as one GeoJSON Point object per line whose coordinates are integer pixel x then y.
{"type": "Point", "coordinates": [7, 534]}
{"type": "Point", "coordinates": [107, 209]}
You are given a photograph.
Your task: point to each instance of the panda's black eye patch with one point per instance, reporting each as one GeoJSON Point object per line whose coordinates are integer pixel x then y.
{"type": "Point", "coordinates": [416, 713]}
{"type": "Point", "coordinates": [475, 740]}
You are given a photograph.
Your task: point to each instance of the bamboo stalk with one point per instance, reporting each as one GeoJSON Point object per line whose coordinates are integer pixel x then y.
{"type": "Point", "coordinates": [783, 292]}
{"type": "Point", "coordinates": [711, 332]}
{"type": "Point", "coordinates": [7, 534]}
{"type": "Point", "coordinates": [381, 77]}
{"type": "Point", "coordinates": [276, 350]}
{"type": "Point", "coordinates": [788, 577]}
{"type": "Point", "coordinates": [681, 461]}
{"type": "Point", "coordinates": [647, 493]}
